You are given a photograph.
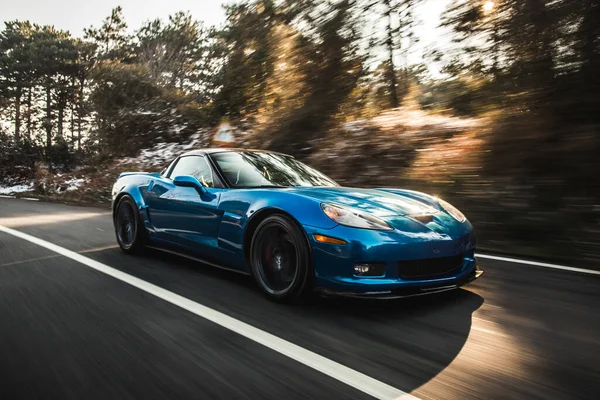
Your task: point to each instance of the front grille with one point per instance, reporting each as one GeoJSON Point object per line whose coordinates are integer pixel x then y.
{"type": "Point", "coordinates": [430, 267]}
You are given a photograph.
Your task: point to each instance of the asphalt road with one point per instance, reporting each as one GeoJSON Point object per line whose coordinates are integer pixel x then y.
{"type": "Point", "coordinates": [70, 332]}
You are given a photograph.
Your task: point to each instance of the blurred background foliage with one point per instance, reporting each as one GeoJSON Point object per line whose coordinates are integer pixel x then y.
{"type": "Point", "coordinates": [501, 118]}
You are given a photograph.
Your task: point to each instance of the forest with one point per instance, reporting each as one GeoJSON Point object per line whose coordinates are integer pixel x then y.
{"type": "Point", "coordinates": [502, 117]}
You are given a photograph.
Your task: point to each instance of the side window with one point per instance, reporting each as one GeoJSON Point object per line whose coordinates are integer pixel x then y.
{"type": "Point", "coordinates": [195, 166]}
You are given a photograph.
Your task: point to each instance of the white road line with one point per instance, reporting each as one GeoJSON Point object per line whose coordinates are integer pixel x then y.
{"type": "Point", "coordinates": [324, 365]}
{"type": "Point", "coordinates": [30, 198]}
{"type": "Point", "coordinates": [540, 264]}
{"type": "Point", "coordinates": [3, 196]}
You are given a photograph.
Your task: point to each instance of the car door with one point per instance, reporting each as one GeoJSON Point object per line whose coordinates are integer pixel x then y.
{"type": "Point", "coordinates": [183, 215]}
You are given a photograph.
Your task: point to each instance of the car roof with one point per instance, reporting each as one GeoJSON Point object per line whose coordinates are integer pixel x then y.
{"type": "Point", "coordinates": [213, 150]}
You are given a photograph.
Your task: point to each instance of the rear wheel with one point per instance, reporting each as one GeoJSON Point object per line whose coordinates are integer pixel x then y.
{"type": "Point", "coordinates": [128, 226]}
{"type": "Point", "coordinates": [280, 258]}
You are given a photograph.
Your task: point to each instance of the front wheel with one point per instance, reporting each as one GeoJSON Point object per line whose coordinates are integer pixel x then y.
{"type": "Point", "coordinates": [280, 258]}
{"type": "Point", "coordinates": [128, 226]}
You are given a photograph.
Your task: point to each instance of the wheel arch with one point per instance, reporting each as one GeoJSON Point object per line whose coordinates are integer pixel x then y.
{"type": "Point", "coordinates": [255, 221]}
{"type": "Point", "coordinates": [134, 193]}
{"type": "Point", "coordinates": [116, 202]}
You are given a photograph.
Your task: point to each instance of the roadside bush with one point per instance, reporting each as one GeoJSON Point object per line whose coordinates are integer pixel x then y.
{"type": "Point", "coordinates": [62, 155]}
{"type": "Point", "coordinates": [17, 160]}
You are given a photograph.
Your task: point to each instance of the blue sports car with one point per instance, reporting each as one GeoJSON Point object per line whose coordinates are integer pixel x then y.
{"type": "Point", "coordinates": [294, 229]}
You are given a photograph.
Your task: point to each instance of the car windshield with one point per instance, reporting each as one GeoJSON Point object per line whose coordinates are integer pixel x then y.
{"type": "Point", "coordinates": [246, 169]}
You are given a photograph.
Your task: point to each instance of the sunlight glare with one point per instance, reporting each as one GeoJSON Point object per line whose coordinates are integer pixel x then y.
{"type": "Point", "coordinates": [39, 219]}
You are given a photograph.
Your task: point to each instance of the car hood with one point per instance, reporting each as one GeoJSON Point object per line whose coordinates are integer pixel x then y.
{"type": "Point", "coordinates": [378, 202]}
{"type": "Point", "coordinates": [415, 215]}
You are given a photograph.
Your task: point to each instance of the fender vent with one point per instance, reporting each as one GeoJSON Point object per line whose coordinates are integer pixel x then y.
{"type": "Point", "coordinates": [423, 218]}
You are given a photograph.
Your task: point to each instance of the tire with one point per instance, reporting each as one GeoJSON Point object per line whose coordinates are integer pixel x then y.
{"type": "Point", "coordinates": [280, 259]}
{"type": "Point", "coordinates": [129, 228]}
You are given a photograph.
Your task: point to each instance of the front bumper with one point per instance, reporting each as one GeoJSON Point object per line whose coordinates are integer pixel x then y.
{"type": "Point", "coordinates": [404, 292]}
{"type": "Point", "coordinates": [334, 264]}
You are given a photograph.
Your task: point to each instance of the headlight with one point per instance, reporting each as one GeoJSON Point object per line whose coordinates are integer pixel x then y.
{"type": "Point", "coordinates": [460, 217]}
{"type": "Point", "coordinates": [354, 218]}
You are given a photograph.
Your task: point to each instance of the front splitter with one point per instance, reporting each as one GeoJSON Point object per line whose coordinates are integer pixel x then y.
{"type": "Point", "coordinates": [403, 293]}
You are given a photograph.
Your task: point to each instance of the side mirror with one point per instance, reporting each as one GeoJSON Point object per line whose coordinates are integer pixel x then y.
{"type": "Point", "coordinates": [189, 181]}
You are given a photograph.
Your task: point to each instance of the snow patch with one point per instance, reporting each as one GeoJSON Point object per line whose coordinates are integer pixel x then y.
{"type": "Point", "coordinates": [74, 184]}
{"type": "Point", "coordinates": [15, 189]}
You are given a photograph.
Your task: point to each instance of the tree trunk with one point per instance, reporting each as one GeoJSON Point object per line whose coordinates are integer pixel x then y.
{"type": "Point", "coordinates": [59, 133]}
{"type": "Point", "coordinates": [29, 113]}
{"type": "Point", "coordinates": [394, 102]}
{"type": "Point", "coordinates": [48, 121]}
{"type": "Point", "coordinates": [18, 114]}
{"type": "Point", "coordinates": [79, 132]}
{"type": "Point", "coordinates": [80, 110]}
{"type": "Point", "coordinates": [173, 83]}
{"type": "Point", "coordinates": [61, 114]}
{"type": "Point", "coordinates": [72, 124]}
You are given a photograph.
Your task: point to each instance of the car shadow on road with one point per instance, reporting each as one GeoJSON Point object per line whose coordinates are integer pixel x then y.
{"type": "Point", "coordinates": [404, 342]}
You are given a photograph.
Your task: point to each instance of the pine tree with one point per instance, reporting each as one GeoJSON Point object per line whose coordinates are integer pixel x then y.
{"type": "Point", "coordinates": [174, 52]}
{"type": "Point", "coordinates": [111, 37]}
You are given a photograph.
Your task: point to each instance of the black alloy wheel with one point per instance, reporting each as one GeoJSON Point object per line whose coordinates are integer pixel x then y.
{"type": "Point", "coordinates": [280, 258]}
{"type": "Point", "coordinates": [128, 227]}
